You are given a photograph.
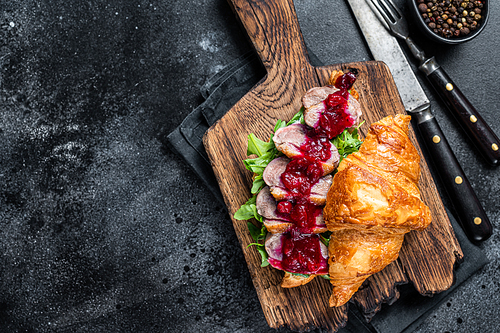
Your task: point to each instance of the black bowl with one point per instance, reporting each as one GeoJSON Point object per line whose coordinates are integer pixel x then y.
{"type": "Point", "coordinates": [413, 7]}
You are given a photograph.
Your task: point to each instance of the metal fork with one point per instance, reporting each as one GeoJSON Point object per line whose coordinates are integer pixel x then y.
{"type": "Point", "coordinates": [394, 21]}
{"type": "Point", "coordinates": [470, 120]}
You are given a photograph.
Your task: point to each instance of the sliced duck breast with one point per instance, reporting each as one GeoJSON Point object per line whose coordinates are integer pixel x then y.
{"type": "Point", "coordinates": [294, 142]}
{"type": "Point", "coordinates": [313, 112]}
{"type": "Point", "coordinates": [316, 95]}
{"type": "Point", "coordinates": [274, 221]}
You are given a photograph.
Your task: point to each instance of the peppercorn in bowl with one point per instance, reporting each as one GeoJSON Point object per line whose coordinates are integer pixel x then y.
{"type": "Point", "coordinates": [450, 21]}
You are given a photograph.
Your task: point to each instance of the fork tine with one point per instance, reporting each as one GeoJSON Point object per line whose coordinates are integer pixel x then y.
{"type": "Point", "coordinates": [390, 16]}
{"type": "Point", "coordinates": [380, 13]}
{"type": "Point", "coordinates": [394, 9]}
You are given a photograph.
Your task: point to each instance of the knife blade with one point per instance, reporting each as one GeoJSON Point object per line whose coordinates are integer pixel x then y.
{"type": "Point", "coordinates": [473, 125]}
{"type": "Point", "coordinates": [384, 47]}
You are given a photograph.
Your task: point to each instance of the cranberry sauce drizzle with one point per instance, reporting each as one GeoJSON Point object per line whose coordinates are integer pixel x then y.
{"type": "Point", "coordinates": [301, 248]}
{"type": "Point", "coordinates": [302, 254]}
{"type": "Point", "coordinates": [336, 118]}
{"type": "Point", "coordinates": [345, 83]}
{"type": "Point", "coordinates": [303, 214]}
{"type": "Point", "coordinates": [316, 146]}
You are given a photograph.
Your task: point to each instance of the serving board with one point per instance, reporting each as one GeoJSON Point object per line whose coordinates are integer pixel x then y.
{"type": "Point", "coordinates": [426, 259]}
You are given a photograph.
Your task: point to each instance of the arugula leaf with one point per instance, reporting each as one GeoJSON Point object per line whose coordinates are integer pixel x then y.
{"type": "Point", "coordinates": [258, 184]}
{"type": "Point", "coordinates": [263, 254]}
{"type": "Point", "coordinates": [347, 143]}
{"type": "Point", "coordinates": [248, 210]}
{"type": "Point", "coordinates": [298, 274]}
{"type": "Point", "coordinates": [257, 146]}
{"type": "Point", "coordinates": [326, 277]}
{"type": "Point", "coordinates": [262, 251]}
{"type": "Point", "coordinates": [325, 238]}
{"type": "Point", "coordinates": [297, 118]}
{"type": "Point", "coordinates": [279, 124]}
{"type": "Point", "coordinates": [256, 233]}
{"type": "Point", "coordinates": [257, 165]}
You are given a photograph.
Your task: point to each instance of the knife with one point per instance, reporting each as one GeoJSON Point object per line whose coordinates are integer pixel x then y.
{"type": "Point", "coordinates": [384, 47]}
{"type": "Point", "coordinates": [476, 128]}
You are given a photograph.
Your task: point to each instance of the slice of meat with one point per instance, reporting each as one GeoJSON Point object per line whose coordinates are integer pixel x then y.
{"type": "Point", "coordinates": [354, 108]}
{"type": "Point", "coordinates": [313, 112]}
{"type": "Point", "coordinates": [274, 248]}
{"type": "Point", "coordinates": [290, 139]}
{"type": "Point", "coordinates": [272, 177]}
{"type": "Point", "coordinates": [316, 95]}
{"type": "Point", "coordinates": [273, 220]}
{"type": "Point", "coordinates": [319, 190]}
{"type": "Point", "coordinates": [272, 174]}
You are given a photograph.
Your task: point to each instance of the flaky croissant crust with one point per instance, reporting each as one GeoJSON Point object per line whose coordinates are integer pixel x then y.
{"type": "Point", "coordinates": [373, 201]}
{"type": "Point", "coordinates": [377, 187]}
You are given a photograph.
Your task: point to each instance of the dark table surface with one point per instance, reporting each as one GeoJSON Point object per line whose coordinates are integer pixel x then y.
{"type": "Point", "coordinates": [103, 229]}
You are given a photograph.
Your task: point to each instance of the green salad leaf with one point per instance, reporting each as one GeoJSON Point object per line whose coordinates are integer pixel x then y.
{"type": "Point", "coordinates": [259, 234]}
{"type": "Point", "coordinates": [297, 118]}
{"type": "Point", "coordinates": [325, 238]}
{"type": "Point", "coordinates": [258, 184]}
{"type": "Point", "coordinates": [257, 146]}
{"type": "Point", "coordinates": [248, 210]}
{"type": "Point", "coordinates": [347, 143]}
{"type": "Point", "coordinates": [256, 233]}
{"type": "Point", "coordinates": [302, 275]}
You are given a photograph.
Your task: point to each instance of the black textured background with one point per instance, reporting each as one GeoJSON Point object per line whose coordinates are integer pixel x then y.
{"type": "Point", "coordinates": [102, 228]}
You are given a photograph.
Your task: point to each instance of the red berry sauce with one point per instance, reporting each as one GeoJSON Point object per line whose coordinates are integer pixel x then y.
{"type": "Point", "coordinates": [301, 248]}
{"type": "Point", "coordinates": [336, 118]}
{"type": "Point", "coordinates": [302, 254]}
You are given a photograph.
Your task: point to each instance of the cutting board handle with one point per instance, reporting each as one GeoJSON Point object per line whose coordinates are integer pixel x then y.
{"type": "Point", "coordinates": [274, 31]}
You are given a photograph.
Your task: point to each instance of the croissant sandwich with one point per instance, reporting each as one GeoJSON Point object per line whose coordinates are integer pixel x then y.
{"type": "Point", "coordinates": [372, 203]}
{"type": "Point", "coordinates": [292, 175]}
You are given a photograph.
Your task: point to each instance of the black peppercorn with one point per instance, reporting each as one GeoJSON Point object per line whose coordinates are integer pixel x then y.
{"type": "Point", "coordinates": [449, 18]}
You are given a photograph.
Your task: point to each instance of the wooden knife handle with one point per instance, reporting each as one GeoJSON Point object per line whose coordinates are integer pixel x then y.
{"type": "Point", "coordinates": [274, 31]}
{"type": "Point", "coordinates": [469, 212]}
{"type": "Point", "coordinates": [471, 121]}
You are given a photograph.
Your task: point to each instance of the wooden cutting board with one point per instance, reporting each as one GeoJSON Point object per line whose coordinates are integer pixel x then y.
{"type": "Point", "coordinates": [426, 259]}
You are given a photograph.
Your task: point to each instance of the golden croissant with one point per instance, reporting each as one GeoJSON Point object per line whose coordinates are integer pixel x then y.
{"type": "Point", "coordinates": [373, 201]}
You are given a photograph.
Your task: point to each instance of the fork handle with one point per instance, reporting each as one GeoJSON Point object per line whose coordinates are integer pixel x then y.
{"type": "Point", "coordinates": [470, 120]}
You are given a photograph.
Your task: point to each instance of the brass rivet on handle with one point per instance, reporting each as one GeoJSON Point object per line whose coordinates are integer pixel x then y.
{"type": "Point", "coordinates": [449, 87]}
{"type": "Point", "coordinates": [477, 220]}
{"type": "Point", "coordinates": [473, 119]}
{"type": "Point", "coordinates": [494, 147]}
{"type": "Point", "coordinates": [436, 139]}
{"type": "Point", "coordinates": [458, 180]}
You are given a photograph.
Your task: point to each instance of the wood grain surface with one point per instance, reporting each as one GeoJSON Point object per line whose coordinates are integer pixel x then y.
{"type": "Point", "coordinates": [427, 258]}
